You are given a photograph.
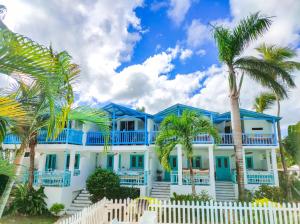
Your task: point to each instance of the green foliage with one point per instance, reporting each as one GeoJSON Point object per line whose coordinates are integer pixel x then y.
{"type": "Point", "coordinates": [203, 196]}
{"type": "Point", "coordinates": [29, 201]}
{"type": "Point", "coordinates": [56, 208]}
{"type": "Point", "coordinates": [3, 182]}
{"type": "Point", "coordinates": [104, 183]}
{"type": "Point", "coordinates": [264, 101]}
{"type": "Point", "coordinates": [6, 168]}
{"type": "Point", "coordinates": [292, 142]}
{"type": "Point", "coordinates": [274, 194]}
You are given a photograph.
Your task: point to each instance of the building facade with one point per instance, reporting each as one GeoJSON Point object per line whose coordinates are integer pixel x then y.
{"type": "Point", "coordinates": [64, 164]}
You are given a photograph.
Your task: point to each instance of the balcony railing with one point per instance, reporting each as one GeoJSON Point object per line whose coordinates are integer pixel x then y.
{"type": "Point", "coordinates": [51, 178]}
{"type": "Point", "coordinates": [257, 177]}
{"type": "Point", "coordinates": [131, 178]}
{"type": "Point", "coordinates": [117, 138]}
{"type": "Point", "coordinates": [141, 137]}
{"type": "Point", "coordinates": [199, 178]}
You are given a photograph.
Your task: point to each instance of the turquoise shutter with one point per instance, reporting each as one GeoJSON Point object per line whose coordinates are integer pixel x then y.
{"type": "Point", "coordinates": [77, 161]}
{"type": "Point", "coordinates": [120, 161]}
{"type": "Point", "coordinates": [53, 162]}
{"type": "Point", "coordinates": [68, 162]}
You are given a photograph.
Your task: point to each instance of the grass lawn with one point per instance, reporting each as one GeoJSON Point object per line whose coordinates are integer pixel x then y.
{"type": "Point", "coordinates": [28, 219]}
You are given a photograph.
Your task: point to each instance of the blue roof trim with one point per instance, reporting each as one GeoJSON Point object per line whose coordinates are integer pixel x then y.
{"type": "Point", "coordinates": [248, 113]}
{"type": "Point", "coordinates": [178, 108]}
{"type": "Point", "coordinates": [120, 110]}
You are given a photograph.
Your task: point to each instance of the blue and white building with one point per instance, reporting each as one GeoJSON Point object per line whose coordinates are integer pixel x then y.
{"type": "Point", "coordinates": [63, 165]}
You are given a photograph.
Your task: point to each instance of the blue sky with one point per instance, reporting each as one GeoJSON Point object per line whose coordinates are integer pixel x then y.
{"type": "Point", "coordinates": [154, 53]}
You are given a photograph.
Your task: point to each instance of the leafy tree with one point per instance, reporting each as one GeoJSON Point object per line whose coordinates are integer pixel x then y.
{"type": "Point", "coordinates": [231, 44]}
{"type": "Point", "coordinates": [264, 101]}
{"type": "Point", "coordinates": [292, 142]}
{"type": "Point", "coordinates": [281, 57]}
{"type": "Point", "coordinates": [182, 130]}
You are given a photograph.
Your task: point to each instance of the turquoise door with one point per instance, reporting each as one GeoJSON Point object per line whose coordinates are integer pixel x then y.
{"type": "Point", "coordinates": [222, 168]}
{"type": "Point", "coordinates": [173, 164]}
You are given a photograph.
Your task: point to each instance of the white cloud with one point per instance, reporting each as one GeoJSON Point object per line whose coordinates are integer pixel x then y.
{"type": "Point", "coordinates": [185, 53]}
{"type": "Point", "coordinates": [178, 10]}
{"type": "Point", "coordinates": [197, 34]}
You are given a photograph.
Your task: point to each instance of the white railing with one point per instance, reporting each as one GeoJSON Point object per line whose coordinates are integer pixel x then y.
{"type": "Point", "coordinates": [256, 177]}
{"type": "Point", "coordinates": [131, 177]}
{"type": "Point", "coordinates": [131, 211]}
{"type": "Point", "coordinates": [199, 178]}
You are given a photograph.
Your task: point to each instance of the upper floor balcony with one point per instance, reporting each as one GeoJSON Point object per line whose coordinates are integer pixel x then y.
{"type": "Point", "coordinates": [140, 137]}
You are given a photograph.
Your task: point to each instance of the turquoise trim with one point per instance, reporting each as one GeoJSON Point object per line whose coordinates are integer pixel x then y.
{"type": "Point", "coordinates": [223, 168]}
{"type": "Point", "coordinates": [136, 164]}
{"type": "Point", "coordinates": [194, 162]}
{"type": "Point", "coordinates": [249, 162]}
{"type": "Point", "coordinates": [77, 161]}
{"type": "Point", "coordinates": [120, 156]}
{"type": "Point", "coordinates": [167, 175]}
{"type": "Point", "coordinates": [110, 158]}
{"type": "Point", "coordinates": [50, 162]}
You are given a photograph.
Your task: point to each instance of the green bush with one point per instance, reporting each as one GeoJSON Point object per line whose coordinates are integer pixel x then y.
{"type": "Point", "coordinates": [203, 196]}
{"type": "Point", "coordinates": [128, 192]}
{"type": "Point", "coordinates": [3, 182]}
{"type": "Point", "coordinates": [29, 201]}
{"type": "Point", "coordinates": [274, 194]}
{"type": "Point", "coordinates": [56, 208]}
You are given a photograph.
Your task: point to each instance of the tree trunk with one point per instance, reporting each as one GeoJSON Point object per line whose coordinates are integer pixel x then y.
{"type": "Point", "coordinates": [32, 144]}
{"type": "Point", "coordinates": [192, 176]}
{"type": "Point", "coordinates": [238, 144]}
{"type": "Point", "coordinates": [282, 157]}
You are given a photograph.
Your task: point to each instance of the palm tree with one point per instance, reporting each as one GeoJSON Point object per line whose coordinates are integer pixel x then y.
{"type": "Point", "coordinates": [231, 44]}
{"type": "Point", "coordinates": [182, 130]}
{"type": "Point", "coordinates": [281, 57]}
{"type": "Point", "coordinates": [264, 101]}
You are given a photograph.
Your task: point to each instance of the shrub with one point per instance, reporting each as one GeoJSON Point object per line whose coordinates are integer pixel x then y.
{"type": "Point", "coordinates": [203, 196]}
{"type": "Point", "coordinates": [56, 208]}
{"type": "Point", "coordinates": [274, 194]}
{"type": "Point", "coordinates": [29, 201]}
{"type": "Point", "coordinates": [3, 182]}
{"type": "Point", "coordinates": [104, 183]}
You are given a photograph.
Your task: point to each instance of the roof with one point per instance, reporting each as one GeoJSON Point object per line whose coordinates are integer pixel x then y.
{"type": "Point", "coordinates": [179, 108]}
{"type": "Point", "coordinates": [247, 113]}
{"type": "Point", "coordinates": [119, 110]}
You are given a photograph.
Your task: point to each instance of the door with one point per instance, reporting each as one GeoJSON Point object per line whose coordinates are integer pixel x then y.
{"type": "Point", "coordinates": [222, 168]}
{"type": "Point", "coordinates": [174, 167]}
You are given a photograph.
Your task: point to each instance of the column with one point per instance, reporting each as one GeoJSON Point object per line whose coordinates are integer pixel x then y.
{"type": "Point", "coordinates": [11, 155]}
{"type": "Point", "coordinates": [274, 166]}
{"type": "Point", "coordinates": [211, 170]}
{"type": "Point", "coordinates": [268, 160]}
{"type": "Point", "coordinates": [146, 167]}
{"type": "Point", "coordinates": [72, 161]}
{"type": "Point", "coordinates": [179, 161]}
{"type": "Point", "coordinates": [116, 162]}
{"type": "Point", "coordinates": [245, 170]}
{"type": "Point", "coordinates": [42, 161]}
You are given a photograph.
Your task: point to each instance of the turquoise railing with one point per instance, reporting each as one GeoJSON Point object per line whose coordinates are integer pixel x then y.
{"type": "Point", "coordinates": [131, 178]}
{"type": "Point", "coordinates": [70, 136]}
{"type": "Point", "coordinates": [50, 178]}
{"type": "Point", "coordinates": [256, 177]}
{"type": "Point", "coordinates": [199, 179]}
{"type": "Point", "coordinates": [258, 139]}
{"type": "Point", "coordinates": [117, 138]}
{"type": "Point", "coordinates": [11, 139]}
{"type": "Point", "coordinates": [76, 172]}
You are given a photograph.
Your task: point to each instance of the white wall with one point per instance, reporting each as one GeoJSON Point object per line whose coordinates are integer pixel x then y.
{"type": "Point", "coordinates": [249, 124]}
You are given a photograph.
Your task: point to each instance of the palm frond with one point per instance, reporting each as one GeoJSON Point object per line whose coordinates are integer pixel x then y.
{"type": "Point", "coordinates": [247, 30]}
{"type": "Point", "coordinates": [264, 101]}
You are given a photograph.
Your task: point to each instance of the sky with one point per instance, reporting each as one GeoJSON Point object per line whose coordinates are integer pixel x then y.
{"type": "Point", "coordinates": [154, 53]}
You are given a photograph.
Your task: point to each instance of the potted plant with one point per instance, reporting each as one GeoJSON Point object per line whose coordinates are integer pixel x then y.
{"type": "Point", "coordinates": [159, 175]}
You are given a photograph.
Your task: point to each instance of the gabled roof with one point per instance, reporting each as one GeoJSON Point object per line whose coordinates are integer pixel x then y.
{"type": "Point", "coordinates": [247, 113]}
{"type": "Point", "coordinates": [120, 110]}
{"type": "Point", "coordinates": [177, 109]}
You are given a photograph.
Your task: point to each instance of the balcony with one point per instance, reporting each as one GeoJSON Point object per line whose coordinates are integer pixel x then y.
{"type": "Point", "coordinates": [117, 138]}
{"type": "Point", "coordinates": [67, 136]}
{"type": "Point", "coordinates": [132, 177]}
{"type": "Point", "coordinates": [54, 178]}
{"type": "Point", "coordinates": [256, 177]}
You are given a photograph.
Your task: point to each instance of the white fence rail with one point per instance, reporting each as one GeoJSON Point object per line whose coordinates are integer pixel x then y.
{"type": "Point", "coordinates": [131, 211]}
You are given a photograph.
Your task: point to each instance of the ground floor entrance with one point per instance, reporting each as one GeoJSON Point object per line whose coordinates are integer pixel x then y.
{"type": "Point", "coordinates": [223, 172]}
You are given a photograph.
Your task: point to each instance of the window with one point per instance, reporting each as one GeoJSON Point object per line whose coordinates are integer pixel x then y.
{"type": "Point", "coordinates": [110, 162]}
{"type": "Point", "coordinates": [196, 162]}
{"type": "Point", "coordinates": [127, 126]}
{"type": "Point", "coordinates": [77, 161]}
{"type": "Point", "coordinates": [50, 162]}
{"type": "Point", "coordinates": [137, 161]}
{"type": "Point", "coordinates": [226, 162]}
{"type": "Point", "coordinates": [219, 162]}
{"type": "Point", "coordinates": [249, 162]}
{"type": "Point", "coordinates": [257, 129]}
{"type": "Point", "coordinates": [227, 129]}
{"type": "Point", "coordinates": [26, 154]}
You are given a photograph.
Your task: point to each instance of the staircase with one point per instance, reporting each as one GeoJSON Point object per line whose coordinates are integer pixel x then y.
{"type": "Point", "coordinates": [225, 191]}
{"type": "Point", "coordinates": [80, 202]}
{"type": "Point", "coordinates": [160, 190]}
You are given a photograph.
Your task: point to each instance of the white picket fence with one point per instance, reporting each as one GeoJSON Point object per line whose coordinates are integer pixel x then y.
{"type": "Point", "coordinates": [131, 211]}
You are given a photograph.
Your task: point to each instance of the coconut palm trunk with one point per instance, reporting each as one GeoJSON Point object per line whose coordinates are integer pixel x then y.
{"type": "Point", "coordinates": [238, 144]}
{"type": "Point", "coordinates": [32, 145]}
{"type": "Point", "coordinates": [192, 175]}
